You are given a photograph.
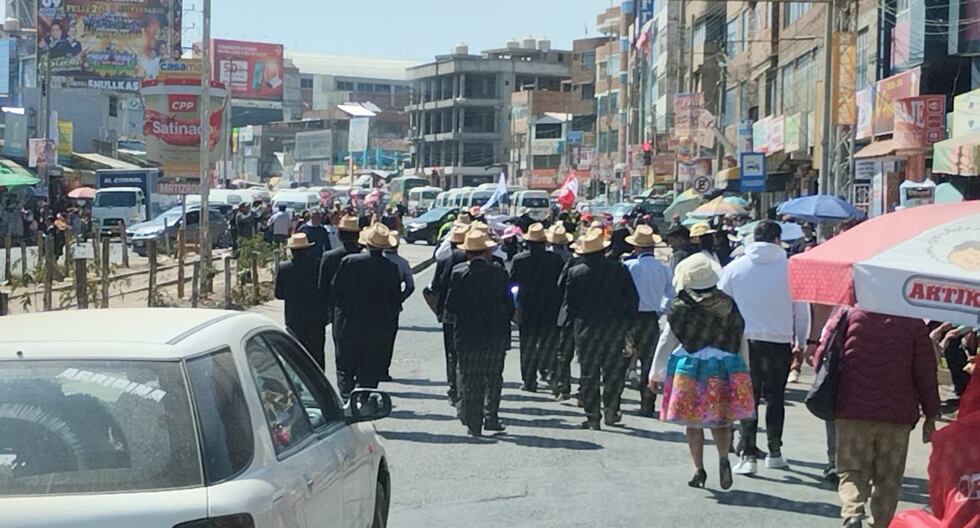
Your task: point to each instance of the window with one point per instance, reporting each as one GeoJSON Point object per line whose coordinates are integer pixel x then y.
{"type": "Point", "coordinates": [614, 102]}
{"type": "Point", "coordinates": [317, 397]}
{"type": "Point", "coordinates": [794, 10]}
{"type": "Point", "coordinates": [788, 88]}
{"type": "Point", "coordinates": [193, 218]}
{"type": "Point", "coordinates": [588, 91]}
{"type": "Point", "coordinates": [603, 70]}
{"type": "Point", "coordinates": [864, 58]}
{"type": "Point", "coordinates": [547, 131]}
{"type": "Point", "coordinates": [288, 423]}
{"type": "Point", "coordinates": [345, 86]}
{"type": "Point", "coordinates": [222, 415]}
{"type": "Point", "coordinates": [588, 59]}
{"type": "Point", "coordinates": [306, 83]}
{"type": "Point", "coordinates": [613, 140]}
{"type": "Point", "coordinates": [731, 38]}
{"type": "Point", "coordinates": [382, 88]}
{"type": "Point", "coordinates": [96, 426]}
{"type": "Point", "coordinates": [772, 92]}
{"type": "Point", "coordinates": [113, 106]}
{"type": "Point", "coordinates": [547, 162]}
{"type": "Point", "coordinates": [744, 101]}
{"type": "Point", "coordinates": [746, 31]}
{"type": "Point", "coordinates": [699, 35]}
{"type": "Point", "coordinates": [728, 115]}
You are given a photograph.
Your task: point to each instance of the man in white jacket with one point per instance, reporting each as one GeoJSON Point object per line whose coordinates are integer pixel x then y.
{"type": "Point", "coordinates": [759, 283]}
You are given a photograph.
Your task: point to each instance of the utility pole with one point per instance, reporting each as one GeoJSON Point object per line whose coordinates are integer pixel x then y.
{"type": "Point", "coordinates": [827, 158]}
{"type": "Point", "coordinates": [204, 237]}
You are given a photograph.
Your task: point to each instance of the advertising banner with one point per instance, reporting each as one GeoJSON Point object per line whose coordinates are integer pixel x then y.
{"type": "Point", "coordinates": [8, 49]}
{"type": "Point", "coordinates": [904, 84]}
{"type": "Point", "coordinates": [745, 136]}
{"type": "Point", "coordinates": [794, 133]}
{"type": "Point", "coordinates": [357, 137]}
{"type": "Point", "coordinates": [919, 121]}
{"type": "Point", "coordinates": [844, 75]}
{"type": "Point", "coordinates": [776, 127]}
{"type": "Point", "coordinates": [966, 114]}
{"type": "Point", "coordinates": [66, 136]}
{"type": "Point", "coordinates": [687, 114]}
{"type": "Point", "coordinates": [172, 125]}
{"type": "Point", "coordinates": [250, 70]}
{"type": "Point", "coordinates": [43, 153]}
{"type": "Point", "coordinates": [760, 135]}
{"type": "Point", "coordinates": [15, 136]}
{"type": "Point", "coordinates": [865, 113]}
{"type": "Point", "coordinates": [112, 44]}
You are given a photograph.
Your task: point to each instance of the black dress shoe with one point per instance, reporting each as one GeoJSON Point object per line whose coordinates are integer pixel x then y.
{"type": "Point", "coordinates": [475, 433]}
{"type": "Point", "coordinates": [529, 388]}
{"type": "Point", "coordinates": [590, 425]}
{"type": "Point", "coordinates": [386, 377]}
{"type": "Point", "coordinates": [612, 419]}
{"type": "Point", "coordinates": [494, 425]}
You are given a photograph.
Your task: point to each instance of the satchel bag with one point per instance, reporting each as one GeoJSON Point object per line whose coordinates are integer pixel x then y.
{"type": "Point", "coordinates": [822, 397]}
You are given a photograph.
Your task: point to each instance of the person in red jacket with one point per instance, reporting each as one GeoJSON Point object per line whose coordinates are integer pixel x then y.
{"type": "Point", "coordinates": [888, 372]}
{"type": "Point", "coordinates": [954, 471]}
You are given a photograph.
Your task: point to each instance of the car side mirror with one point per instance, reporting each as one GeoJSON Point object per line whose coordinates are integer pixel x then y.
{"type": "Point", "coordinates": [367, 405]}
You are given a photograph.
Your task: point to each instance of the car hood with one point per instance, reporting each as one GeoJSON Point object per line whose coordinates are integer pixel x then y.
{"type": "Point", "coordinates": [155, 509]}
{"type": "Point", "coordinates": [146, 227]}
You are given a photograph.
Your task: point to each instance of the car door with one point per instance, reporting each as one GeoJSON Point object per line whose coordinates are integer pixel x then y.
{"type": "Point", "coordinates": [191, 231]}
{"type": "Point", "coordinates": [304, 468]}
{"type": "Point", "coordinates": [332, 492]}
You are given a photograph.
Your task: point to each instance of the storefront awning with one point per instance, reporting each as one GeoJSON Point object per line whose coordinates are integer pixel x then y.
{"type": "Point", "coordinates": [958, 156]}
{"type": "Point", "coordinates": [726, 175]}
{"type": "Point", "coordinates": [878, 149]}
{"type": "Point", "coordinates": [101, 161]}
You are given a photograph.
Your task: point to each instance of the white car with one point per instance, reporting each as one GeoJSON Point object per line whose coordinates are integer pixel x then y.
{"type": "Point", "coordinates": [179, 418]}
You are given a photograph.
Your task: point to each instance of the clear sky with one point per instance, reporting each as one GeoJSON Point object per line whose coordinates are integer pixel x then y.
{"type": "Point", "coordinates": [405, 29]}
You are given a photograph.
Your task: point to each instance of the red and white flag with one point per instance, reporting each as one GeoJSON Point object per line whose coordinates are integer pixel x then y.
{"type": "Point", "coordinates": [569, 192]}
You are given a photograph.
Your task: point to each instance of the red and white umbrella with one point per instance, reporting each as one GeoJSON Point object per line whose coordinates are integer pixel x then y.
{"type": "Point", "coordinates": [921, 262]}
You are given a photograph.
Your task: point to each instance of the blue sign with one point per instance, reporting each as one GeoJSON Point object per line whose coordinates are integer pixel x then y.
{"type": "Point", "coordinates": [7, 51]}
{"type": "Point", "coordinates": [752, 166]}
{"type": "Point", "coordinates": [575, 137]}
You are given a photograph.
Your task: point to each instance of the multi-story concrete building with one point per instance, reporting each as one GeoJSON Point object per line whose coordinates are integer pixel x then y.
{"type": "Point", "coordinates": [461, 107]}
{"type": "Point", "coordinates": [611, 78]}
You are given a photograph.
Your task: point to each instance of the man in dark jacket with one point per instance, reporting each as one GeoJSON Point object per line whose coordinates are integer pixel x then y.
{"type": "Point", "coordinates": [367, 299]}
{"type": "Point", "coordinates": [679, 240]}
{"type": "Point", "coordinates": [330, 261]}
{"type": "Point", "coordinates": [564, 347]}
{"type": "Point", "coordinates": [439, 287]}
{"type": "Point", "coordinates": [534, 272]}
{"type": "Point", "coordinates": [295, 284]}
{"type": "Point", "coordinates": [317, 233]}
{"type": "Point", "coordinates": [600, 300]}
{"type": "Point", "coordinates": [481, 307]}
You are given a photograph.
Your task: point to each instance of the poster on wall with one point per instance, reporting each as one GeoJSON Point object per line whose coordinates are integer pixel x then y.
{"type": "Point", "coordinates": [776, 129]}
{"type": "Point", "coordinates": [888, 90]}
{"type": "Point", "coordinates": [111, 44]}
{"type": "Point", "coordinates": [865, 113]}
{"type": "Point", "coordinates": [919, 121]}
{"type": "Point", "coordinates": [760, 135]}
{"type": "Point", "coordinates": [66, 136]}
{"type": "Point", "coordinates": [250, 70]}
{"type": "Point", "coordinates": [15, 135]}
{"type": "Point", "coordinates": [172, 125]}
{"type": "Point", "coordinates": [42, 153]}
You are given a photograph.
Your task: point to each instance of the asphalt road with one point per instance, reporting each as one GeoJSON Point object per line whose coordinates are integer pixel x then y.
{"type": "Point", "coordinates": [546, 472]}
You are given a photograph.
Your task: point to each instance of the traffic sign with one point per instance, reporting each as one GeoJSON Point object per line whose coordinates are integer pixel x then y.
{"type": "Point", "coordinates": [752, 166]}
{"type": "Point", "coordinates": [702, 184]}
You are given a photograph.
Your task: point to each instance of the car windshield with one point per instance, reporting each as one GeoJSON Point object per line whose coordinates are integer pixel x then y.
{"type": "Point", "coordinates": [433, 215]}
{"type": "Point", "coordinates": [480, 198]}
{"type": "Point", "coordinates": [115, 199]}
{"type": "Point", "coordinates": [95, 426]}
{"type": "Point", "coordinates": [536, 202]}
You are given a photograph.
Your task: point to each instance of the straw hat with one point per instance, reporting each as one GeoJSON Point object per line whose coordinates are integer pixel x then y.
{"type": "Point", "coordinates": [299, 241]}
{"type": "Point", "coordinates": [700, 229]}
{"type": "Point", "coordinates": [378, 236]}
{"type": "Point", "coordinates": [477, 241]}
{"type": "Point", "coordinates": [458, 235]}
{"type": "Point", "coordinates": [697, 272]}
{"type": "Point", "coordinates": [479, 226]}
{"type": "Point", "coordinates": [349, 223]}
{"type": "Point", "coordinates": [463, 219]}
{"type": "Point", "coordinates": [592, 242]}
{"type": "Point", "coordinates": [643, 237]}
{"type": "Point", "coordinates": [536, 233]}
{"type": "Point", "coordinates": [558, 236]}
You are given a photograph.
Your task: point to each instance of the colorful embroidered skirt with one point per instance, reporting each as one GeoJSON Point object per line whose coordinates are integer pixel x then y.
{"type": "Point", "coordinates": [707, 389]}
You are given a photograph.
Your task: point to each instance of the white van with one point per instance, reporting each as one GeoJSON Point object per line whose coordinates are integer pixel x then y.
{"type": "Point", "coordinates": [442, 199]}
{"type": "Point", "coordinates": [298, 201]}
{"type": "Point", "coordinates": [422, 197]}
{"type": "Point", "coordinates": [115, 206]}
{"type": "Point", "coordinates": [535, 204]}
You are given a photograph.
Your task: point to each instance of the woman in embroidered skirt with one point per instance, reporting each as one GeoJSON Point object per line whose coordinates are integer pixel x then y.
{"type": "Point", "coordinates": [699, 360]}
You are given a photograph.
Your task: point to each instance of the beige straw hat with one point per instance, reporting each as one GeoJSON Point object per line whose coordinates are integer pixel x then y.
{"type": "Point", "coordinates": [459, 235]}
{"type": "Point", "coordinates": [477, 241]}
{"type": "Point", "coordinates": [558, 236]}
{"type": "Point", "coordinates": [592, 242]}
{"type": "Point", "coordinates": [643, 237]}
{"type": "Point", "coordinates": [700, 229]}
{"type": "Point", "coordinates": [378, 236]}
{"type": "Point", "coordinates": [536, 233]}
{"type": "Point", "coordinates": [299, 241]}
{"type": "Point", "coordinates": [349, 223]}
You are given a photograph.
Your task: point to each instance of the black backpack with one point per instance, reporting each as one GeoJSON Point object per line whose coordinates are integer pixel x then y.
{"type": "Point", "coordinates": [822, 397]}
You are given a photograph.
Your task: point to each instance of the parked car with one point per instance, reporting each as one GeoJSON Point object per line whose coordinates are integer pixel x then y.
{"type": "Point", "coordinates": [164, 229]}
{"type": "Point", "coordinates": [180, 418]}
{"type": "Point", "coordinates": [426, 227]}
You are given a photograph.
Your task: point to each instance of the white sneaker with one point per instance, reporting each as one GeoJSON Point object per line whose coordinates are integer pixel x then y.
{"type": "Point", "coordinates": [776, 462]}
{"type": "Point", "coordinates": [746, 466]}
{"type": "Point", "coordinates": [794, 376]}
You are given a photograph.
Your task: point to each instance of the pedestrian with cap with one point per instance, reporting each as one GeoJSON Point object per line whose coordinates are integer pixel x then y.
{"type": "Point", "coordinates": [480, 306]}
{"type": "Point", "coordinates": [534, 273]}
{"type": "Point", "coordinates": [367, 299]}
{"type": "Point", "coordinates": [600, 300]}
{"type": "Point", "coordinates": [438, 289]}
{"type": "Point", "coordinates": [653, 281]}
{"type": "Point", "coordinates": [296, 286]}
{"type": "Point", "coordinates": [700, 359]}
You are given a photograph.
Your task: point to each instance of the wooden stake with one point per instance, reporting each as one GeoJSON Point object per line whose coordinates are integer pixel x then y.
{"type": "Point", "coordinates": [81, 284]}
{"type": "Point", "coordinates": [23, 257]}
{"type": "Point", "coordinates": [227, 260]}
{"type": "Point", "coordinates": [105, 273]}
{"type": "Point", "coordinates": [255, 275]}
{"type": "Point", "coordinates": [7, 255]}
{"type": "Point", "coordinates": [49, 262]}
{"type": "Point", "coordinates": [151, 255]}
{"type": "Point", "coordinates": [125, 247]}
{"type": "Point", "coordinates": [195, 288]}
{"type": "Point", "coordinates": [181, 255]}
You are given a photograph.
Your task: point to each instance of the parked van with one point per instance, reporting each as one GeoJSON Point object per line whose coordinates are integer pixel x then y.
{"type": "Point", "coordinates": [422, 198]}
{"type": "Point", "coordinates": [297, 201]}
{"type": "Point", "coordinates": [535, 204]}
{"type": "Point", "coordinates": [116, 206]}
{"type": "Point", "coordinates": [442, 199]}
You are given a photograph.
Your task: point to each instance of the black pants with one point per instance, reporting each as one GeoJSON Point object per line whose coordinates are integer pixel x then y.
{"type": "Point", "coordinates": [644, 334]}
{"type": "Point", "coordinates": [389, 350]}
{"type": "Point", "coordinates": [956, 359]}
{"type": "Point", "coordinates": [564, 351]}
{"type": "Point", "coordinates": [600, 355]}
{"type": "Point", "coordinates": [536, 351]}
{"type": "Point", "coordinates": [450, 348]}
{"type": "Point", "coordinates": [313, 337]}
{"type": "Point", "coordinates": [768, 366]}
{"type": "Point", "coordinates": [480, 378]}
{"type": "Point", "coordinates": [358, 366]}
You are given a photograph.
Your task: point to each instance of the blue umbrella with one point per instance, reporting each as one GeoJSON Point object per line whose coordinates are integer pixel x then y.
{"type": "Point", "coordinates": [790, 231]}
{"type": "Point", "coordinates": [737, 200]}
{"type": "Point", "coordinates": [818, 208]}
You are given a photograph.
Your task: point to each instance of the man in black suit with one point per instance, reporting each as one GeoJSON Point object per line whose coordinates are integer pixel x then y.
{"type": "Point", "coordinates": [439, 287]}
{"type": "Point", "coordinates": [534, 272]}
{"type": "Point", "coordinates": [295, 284]}
{"type": "Point", "coordinates": [367, 299]}
{"type": "Point", "coordinates": [600, 300]}
{"type": "Point", "coordinates": [348, 232]}
{"type": "Point", "coordinates": [480, 306]}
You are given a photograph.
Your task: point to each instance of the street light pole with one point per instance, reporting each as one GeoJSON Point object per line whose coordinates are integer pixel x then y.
{"type": "Point", "coordinates": [204, 238]}
{"type": "Point", "coordinates": [827, 158]}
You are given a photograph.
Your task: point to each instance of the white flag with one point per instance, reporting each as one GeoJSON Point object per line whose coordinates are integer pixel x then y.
{"type": "Point", "coordinates": [498, 195]}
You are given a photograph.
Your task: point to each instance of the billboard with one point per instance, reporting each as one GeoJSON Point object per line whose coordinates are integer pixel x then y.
{"type": "Point", "coordinates": [172, 125]}
{"type": "Point", "coordinates": [920, 121]}
{"type": "Point", "coordinates": [66, 137]}
{"type": "Point", "coordinates": [904, 84]}
{"type": "Point", "coordinates": [15, 137]}
{"type": "Point", "coordinates": [111, 44]}
{"type": "Point", "coordinates": [250, 70]}
{"type": "Point", "coordinates": [865, 113]}
{"type": "Point", "coordinates": [760, 135]}
{"type": "Point", "coordinates": [43, 153]}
